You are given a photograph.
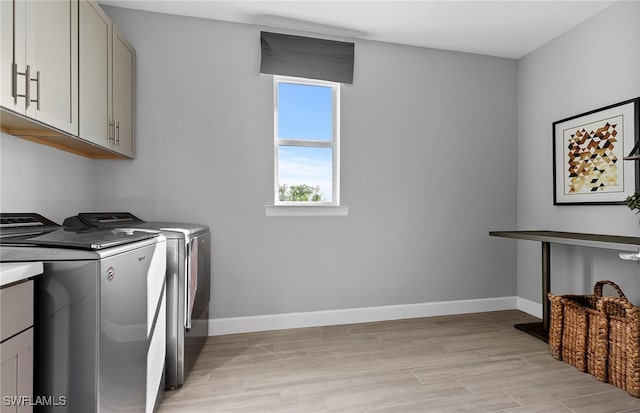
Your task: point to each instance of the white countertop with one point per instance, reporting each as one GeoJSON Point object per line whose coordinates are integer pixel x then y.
{"type": "Point", "coordinates": [11, 272]}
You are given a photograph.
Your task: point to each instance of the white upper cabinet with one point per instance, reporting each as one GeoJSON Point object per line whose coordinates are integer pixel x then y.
{"type": "Point", "coordinates": [40, 61]}
{"type": "Point", "coordinates": [123, 89]}
{"type": "Point", "coordinates": [68, 77]}
{"type": "Point", "coordinates": [13, 55]}
{"type": "Point", "coordinates": [94, 74]}
{"type": "Point", "coordinates": [107, 82]}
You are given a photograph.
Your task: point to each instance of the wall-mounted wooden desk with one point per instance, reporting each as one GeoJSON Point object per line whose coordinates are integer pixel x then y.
{"type": "Point", "coordinates": [612, 242]}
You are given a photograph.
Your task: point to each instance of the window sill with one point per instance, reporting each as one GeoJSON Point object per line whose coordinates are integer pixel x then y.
{"type": "Point", "coordinates": [306, 210]}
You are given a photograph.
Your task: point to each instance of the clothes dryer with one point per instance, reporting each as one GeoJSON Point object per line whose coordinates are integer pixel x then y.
{"type": "Point", "coordinates": [188, 284]}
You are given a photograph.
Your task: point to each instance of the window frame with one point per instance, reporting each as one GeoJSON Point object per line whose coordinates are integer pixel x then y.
{"type": "Point", "coordinates": [333, 144]}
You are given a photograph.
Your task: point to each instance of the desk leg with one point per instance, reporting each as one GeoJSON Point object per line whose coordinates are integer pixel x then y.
{"type": "Point", "coordinates": [541, 330]}
{"type": "Point", "coordinates": [546, 286]}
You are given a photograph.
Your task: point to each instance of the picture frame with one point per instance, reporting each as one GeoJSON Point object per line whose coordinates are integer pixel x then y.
{"type": "Point", "coordinates": [588, 155]}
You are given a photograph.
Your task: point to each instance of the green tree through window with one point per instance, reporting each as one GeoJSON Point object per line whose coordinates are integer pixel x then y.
{"type": "Point", "coordinates": [297, 193]}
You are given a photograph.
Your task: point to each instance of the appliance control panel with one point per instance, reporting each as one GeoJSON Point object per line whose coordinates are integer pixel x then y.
{"type": "Point", "coordinates": [8, 220]}
{"type": "Point", "coordinates": [102, 219]}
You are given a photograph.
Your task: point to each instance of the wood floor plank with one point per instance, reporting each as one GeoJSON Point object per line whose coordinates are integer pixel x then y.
{"type": "Point", "coordinates": [550, 407]}
{"type": "Point", "coordinates": [611, 401]}
{"type": "Point", "coordinates": [486, 402]}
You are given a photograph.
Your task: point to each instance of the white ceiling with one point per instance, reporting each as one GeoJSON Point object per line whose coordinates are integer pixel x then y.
{"type": "Point", "coordinates": [508, 28]}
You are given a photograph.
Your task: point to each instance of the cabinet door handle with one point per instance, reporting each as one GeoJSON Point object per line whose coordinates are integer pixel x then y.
{"type": "Point", "coordinates": [110, 131]}
{"type": "Point", "coordinates": [118, 133]}
{"type": "Point", "coordinates": [37, 80]}
{"type": "Point", "coordinates": [14, 82]}
{"type": "Point", "coordinates": [27, 92]}
{"type": "Point", "coordinates": [27, 89]}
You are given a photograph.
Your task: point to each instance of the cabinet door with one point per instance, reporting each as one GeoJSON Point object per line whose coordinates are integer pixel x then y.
{"type": "Point", "coordinates": [16, 372]}
{"type": "Point", "coordinates": [123, 87]}
{"type": "Point", "coordinates": [12, 17]}
{"type": "Point", "coordinates": [94, 74]}
{"type": "Point", "coordinates": [52, 55]}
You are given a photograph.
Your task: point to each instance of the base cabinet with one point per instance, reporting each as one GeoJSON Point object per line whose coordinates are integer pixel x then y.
{"type": "Point", "coordinates": [16, 348]}
{"type": "Point", "coordinates": [16, 373]}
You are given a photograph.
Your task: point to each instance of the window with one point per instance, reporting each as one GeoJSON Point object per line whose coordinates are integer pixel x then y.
{"type": "Point", "coordinates": [306, 142]}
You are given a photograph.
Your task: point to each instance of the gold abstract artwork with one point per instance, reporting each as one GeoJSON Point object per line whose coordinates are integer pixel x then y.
{"type": "Point", "coordinates": [591, 161]}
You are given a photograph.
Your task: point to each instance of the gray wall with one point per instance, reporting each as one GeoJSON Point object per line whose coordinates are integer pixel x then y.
{"type": "Point", "coordinates": [583, 69]}
{"type": "Point", "coordinates": [36, 178]}
{"type": "Point", "coordinates": [428, 161]}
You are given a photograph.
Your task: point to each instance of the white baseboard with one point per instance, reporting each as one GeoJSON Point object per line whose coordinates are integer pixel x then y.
{"type": "Point", "coordinates": [231, 325]}
{"type": "Point", "coordinates": [528, 306]}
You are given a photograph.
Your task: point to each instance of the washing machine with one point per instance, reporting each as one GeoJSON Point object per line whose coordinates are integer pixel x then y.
{"type": "Point", "coordinates": [188, 284]}
{"type": "Point", "coordinates": [99, 316]}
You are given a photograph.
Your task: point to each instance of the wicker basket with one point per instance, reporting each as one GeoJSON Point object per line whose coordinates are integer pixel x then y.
{"type": "Point", "coordinates": [623, 355]}
{"type": "Point", "coordinates": [578, 330]}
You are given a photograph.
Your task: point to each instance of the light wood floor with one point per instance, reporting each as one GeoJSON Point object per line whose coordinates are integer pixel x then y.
{"type": "Point", "coordinates": [463, 363]}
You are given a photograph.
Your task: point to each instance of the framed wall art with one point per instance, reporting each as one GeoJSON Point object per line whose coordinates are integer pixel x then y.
{"type": "Point", "coordinates": [588, 152]}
